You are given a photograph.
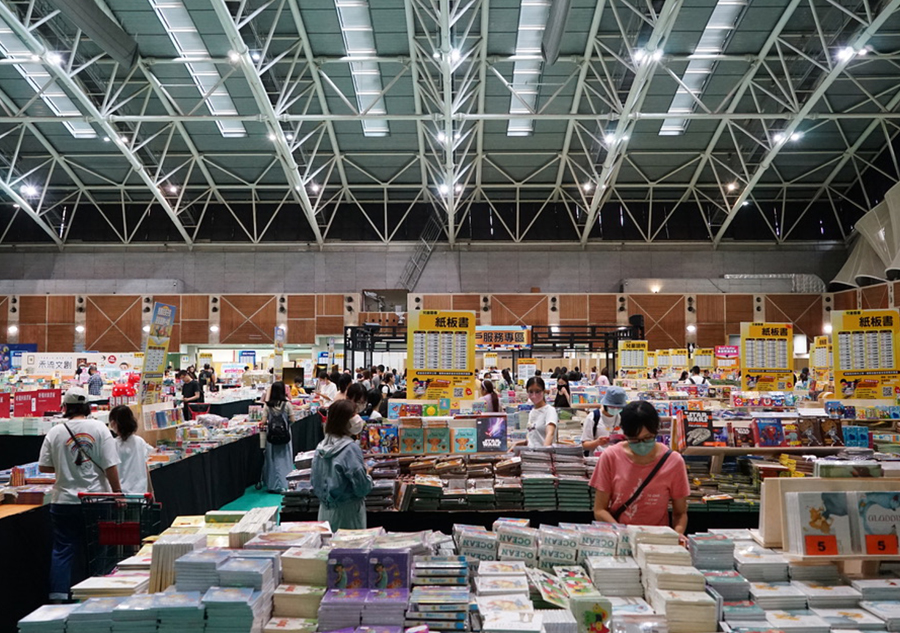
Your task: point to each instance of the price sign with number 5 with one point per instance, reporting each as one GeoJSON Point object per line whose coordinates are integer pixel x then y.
{"type": "Point", "coordinates": [821, 546]}
{"type": "Point", "coordinates": [881, 544]}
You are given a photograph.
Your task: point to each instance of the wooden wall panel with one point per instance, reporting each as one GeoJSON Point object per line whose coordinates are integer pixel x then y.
{"type": "Point", "coordinates": [330, 326]}
{"type": "Point", "coordinates": [437, 302]}
{"type": "Point", "coordinates": [573, 309]}
{"type": "Point", "coordinates": [61, 323]}
{"type": "Point", "coordinates": [330, 305]}
{"type": "Point", "coordinates": [874, 297]}
{"type": "Point", "coordinates": [738, 309]}
{"type": "Point", "coordinates": [113, 323]}
{"type": "Point", "coordinates": [469, 302]}
{"type": "Point", "coordinates": [4, 316]}
{"type": "Point", "coordinates": [247, 319]}
{"type": "Point", "coordinates": [521, 309]}
{"type": "Point", "coordinates": [847, 299]}
{"type": "Point", "coordinates": [194, 320]}
{"type": "Point", "coordinates": [804, 311]}
{"type": "Point", "coordinates": [382, 318]}
{"type": "Point", "coordinates": [602, 309]}
{"type": "Point", "coordinates": [33, 321]}
{"type": "Point", "coordinates": [710, 317]}
{"type": "Point", "coordinates": [301, 306]}
{"type": "Point", "coordinates": [664, 322]}
{"type": "Point", "coordinates": [301, 331]}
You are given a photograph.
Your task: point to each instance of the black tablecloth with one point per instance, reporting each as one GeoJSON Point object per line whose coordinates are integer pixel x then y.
{"type": "Point", "coordinates": [19, 449]}
{"type": "Point", "coordinates": [25, 569]}
{"type": "Point", "coordinates": [227, 409]}
{"type": "Point", "coordinates": [307, 433]}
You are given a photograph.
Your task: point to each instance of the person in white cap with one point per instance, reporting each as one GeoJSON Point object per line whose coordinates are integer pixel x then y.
{"type": "Point", "coordinates": [597, 428]}
{"type": "Point", "coordinates": [82, 454]}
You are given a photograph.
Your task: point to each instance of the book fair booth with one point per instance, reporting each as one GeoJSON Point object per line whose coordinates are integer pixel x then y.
{"type": "Point", "coordinates": [784, 408]}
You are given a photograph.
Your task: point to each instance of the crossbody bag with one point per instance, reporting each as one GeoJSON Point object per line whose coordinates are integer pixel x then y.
{"type": "Point", "coordinates": [637, 493]}
{"type": "Point", "coordinates": [82, 455]}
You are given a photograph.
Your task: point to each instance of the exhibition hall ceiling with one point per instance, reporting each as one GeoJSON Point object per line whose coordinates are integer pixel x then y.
{"type": "Point", "coordinates": [198, 123]}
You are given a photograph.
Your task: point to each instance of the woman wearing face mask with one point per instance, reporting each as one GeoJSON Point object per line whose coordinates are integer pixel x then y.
{"type": "Point", "coordinates": [602, 426]}
{"type": "Point", "coordinates": [636, 480]}
{"type": "Point", "coordinates": [339, 476]}
{"type": "Point", "coordinates": [542, 419]}
{"type": "Point", "coordinates": [562, 392]}
{"type": "Point", "coordinates": [326, 390]}
{"type": "Point", "coordinates": [279, 457]}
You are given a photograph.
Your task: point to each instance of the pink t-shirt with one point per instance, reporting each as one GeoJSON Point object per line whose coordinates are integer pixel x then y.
{"type": "Point", "coordinates": [620, 477]}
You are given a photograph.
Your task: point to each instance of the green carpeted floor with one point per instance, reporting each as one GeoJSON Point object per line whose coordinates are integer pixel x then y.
{"type": "Point", "coordinates": [253, 498]}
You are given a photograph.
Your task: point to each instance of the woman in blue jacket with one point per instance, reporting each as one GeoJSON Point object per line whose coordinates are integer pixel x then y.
{"type": "Point", "coordinates": [339, 476]}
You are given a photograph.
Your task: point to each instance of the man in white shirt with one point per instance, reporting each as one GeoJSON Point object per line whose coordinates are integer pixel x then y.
{"type": "Point", "coordinates": [603, 422]}
{"type": "Point", "coordinates": [82, 454]}
{"type": "Point", "coordinates": [327, 390]}
{"type": "Point", "coordinates": [696, 378]}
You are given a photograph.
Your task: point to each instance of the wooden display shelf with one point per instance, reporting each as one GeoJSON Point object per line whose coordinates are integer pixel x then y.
{"type": "Point", "coordinates": [718, 453]}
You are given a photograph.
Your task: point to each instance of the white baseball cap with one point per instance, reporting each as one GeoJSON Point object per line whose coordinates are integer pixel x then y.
{"type": "Point", "coordinates": [75, 395]}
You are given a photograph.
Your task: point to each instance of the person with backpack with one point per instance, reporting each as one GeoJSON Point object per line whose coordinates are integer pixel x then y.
{"type": "Point", "coordinates": [279, 450]}
{"type": "Point", "coordinates": [603, 423]}
{"type": "Point", "coordinates": [696, 378]}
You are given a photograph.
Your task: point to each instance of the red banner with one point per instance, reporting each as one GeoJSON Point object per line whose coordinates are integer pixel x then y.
{"type": "Point", "coordinates": [24, 403]}
{"type": "Point", "coordinates": [48, 400]}
{"type": "Point", "coordinates": [4, 405]}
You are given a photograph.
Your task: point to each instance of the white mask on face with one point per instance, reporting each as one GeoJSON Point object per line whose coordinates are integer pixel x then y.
{"type": "Point", "coordinates": [356, 425]}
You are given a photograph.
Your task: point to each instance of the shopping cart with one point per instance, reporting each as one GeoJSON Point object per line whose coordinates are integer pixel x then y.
{"type": "Point", "coordinates": [115, 526]}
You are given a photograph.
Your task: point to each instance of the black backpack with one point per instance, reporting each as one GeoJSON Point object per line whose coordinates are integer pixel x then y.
{"type": "Point", "coordinates": [278, 428]}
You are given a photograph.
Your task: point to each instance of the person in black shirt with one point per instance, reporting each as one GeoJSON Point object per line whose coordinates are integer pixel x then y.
{"type": "Point", "coordinates": [206, 377]}
{"type": "Point", "coordinates": [190, 392]}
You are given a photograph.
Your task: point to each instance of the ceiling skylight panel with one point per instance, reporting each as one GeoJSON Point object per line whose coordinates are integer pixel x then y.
{"type": "Point", "coordinates": [712, 42]}
{"type": "Point", "coordinates": [359, 41]}
{"type": "Point", "coordinates": [184, 35]}
{"type": "Point", "coordinates": [38, 78]}
{"type": "Point", "coordinates": [526, 80]}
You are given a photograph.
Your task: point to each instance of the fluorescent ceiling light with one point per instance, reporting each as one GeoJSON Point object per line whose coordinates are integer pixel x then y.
{"type": "Point", "coordinates": [184, 35]}
{"type": "Point", "coordinates": [712, 42]}
{"type": "Point", "coordinates": [38, 78]}
{"type": "Point", "coordinates": [359, 40]}
{"type": "Point", "coordinates": [533, 16]}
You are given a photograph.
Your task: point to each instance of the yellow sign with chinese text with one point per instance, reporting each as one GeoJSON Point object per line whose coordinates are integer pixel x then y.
{"type": "Point", "coordinates": [864, 353]}
{"type": "Point", "coordinates": [766, 356]}
{"type": "Point", "coordinates": [441, 357]}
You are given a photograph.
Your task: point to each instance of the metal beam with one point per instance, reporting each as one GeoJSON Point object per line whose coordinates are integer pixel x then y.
{"type": "Point", "coordinates": [260, 95]}
{"type": "Point", "coordinates": [646, 67]}
{"type": "Point", "coordinates": [38, 47]}
{"type": "Point", "coordinates": [857, 43]}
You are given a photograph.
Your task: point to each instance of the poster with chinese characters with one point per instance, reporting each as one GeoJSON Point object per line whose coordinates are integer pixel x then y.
{"type": "Point", "coordinates": [703, 358]}
{"type": "Point", "coordinates": [727, 357]}
{"type": "Point", "coordinates": [155, 351]}
{"type": "Point", "coordinates": [525, 369]}
{"type": "Point", "coordinates": [441, 361]}
{"type": "Point", "coordinates": [508, 337]}
{"type": "Point", "coordinates": [864, 353]}
{"type": "Point", "coordinates": [633, 359]}
{"type": "Point", "coordinates": [820, 359]}
{"type": "Point", "coordinates": [766, 356]}
{"type": "Point", "coordinates": [278, 360]}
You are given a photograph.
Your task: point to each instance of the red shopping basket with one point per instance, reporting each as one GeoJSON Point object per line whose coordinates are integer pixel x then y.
{"type": "Point", "coordinates": [115, 526]}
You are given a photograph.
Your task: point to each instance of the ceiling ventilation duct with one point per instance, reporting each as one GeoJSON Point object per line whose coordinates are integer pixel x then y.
{"type": "Point", "coordinates": [892, 199]}
{"type": "Point", "coordinates": [875, 228]}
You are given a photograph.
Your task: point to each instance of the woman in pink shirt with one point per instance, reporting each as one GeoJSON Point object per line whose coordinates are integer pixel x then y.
{"type": "Point", "coordinates": [624, 467]}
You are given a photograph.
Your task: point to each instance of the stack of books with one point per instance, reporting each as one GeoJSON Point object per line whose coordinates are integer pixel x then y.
{"type": "Point", "coordinates": [823, 596]}
{"type": "Point", "coordinates": [539, 489]}
{"type": "Point", "coordinates": [137, 614]}
{"type": "Point", "coordinates": [648, 553]}
{"type": "Point", "coordinates": [777, 595]}
{"type": "Point", "coordinates": [291, 625]}
{"type": "Point", "coordinates": [298, 601]}
{"type": "Point", "coordinates": [443, 571]}
{"type": "Point", "coordinates": [508, 493]}
{"type": "Point", "coordinates": [381, 497]}
{"type": "Point", "coordinates": [630, 606]}
{"type": "Point", "coordinates": [615, 575]}
{"type": "Point", "coordinates": [653, 535]}
{"type": "Point", "coordinates": [259, 574]}
{"type": "Point", "coordinates": [887, 610]}
{"type": "Point", "coordinates": [574, 493]}
{"type": "Point", "coordinates": [342, 608]}
{"type": "Point", "coordinates": [819, 571]}
{"type": "Point", "coordinates": [95, 614]}
{"type": "Point", "coordinates": [438, 608]}
{"type": "Point", "coordinates": [385, 607]}
{"type": "Point", "coordinates": [236, 609]}
{"type": "Point", "coordinates": [283, 540]}
{"type": "Point", "coordinates": [558, 621]}
{"type": "Point", "coordinates": [728, 583]}
{"type": "Point", "coordinates": [577, 583]}
{"type": "Point", "coordinates": [305, 566]}
{"type": "Point", "coordinates": [199, 570]}
{"type": "Point", "coordinates": [877, 589]}
{"type": "Point", "coordinates": [758, 564]}
{"type": "Point", "coordinates": [299, 498]}
{"type": "Point", "coordinates": [797, 621]}
{"type": "Point", "coordinates": [116, 585]}
{"type": "Point", "coordinates": [686, 611]}
{"type": "Point", "coordinates": [852, 619]}
{"type": "Point", "coordinates": [673, 578]}
{"type": "Point", "coordinates": [428, 491]}
{"type": "Point", "coordinates": [166, 550]}
{"type": "Point", "coordinates": [711, 551]}
{"type": "Point", "coordinates": [536, 461]}
{"type": "Point", "coordinates": [50, 618]}
{"type": "Point", "coordinates": [743, 612]}
{"type": "Point", "coordinates": [180, 612]}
